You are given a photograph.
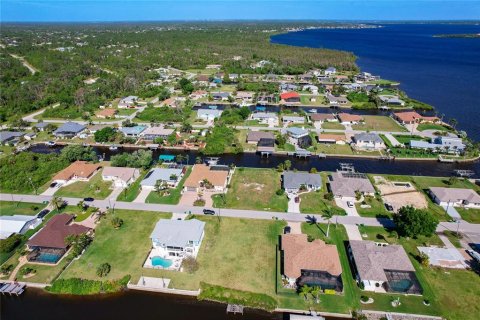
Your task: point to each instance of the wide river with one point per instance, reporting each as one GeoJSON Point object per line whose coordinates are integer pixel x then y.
{"type": "Point", "coordinates": [444, 72]}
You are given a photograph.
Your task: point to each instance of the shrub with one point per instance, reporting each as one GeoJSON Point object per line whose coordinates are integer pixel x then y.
{"type": "Point", "coordinates": [117, 222]}
{"type": "Point", "coordinates": [83, 286]}
{"type": "Point", "coordinates": [411, 222]}
{"type": "Point", "coordinates": [364, 298]}
{"type": "Point", "coordinates": [199, 203]}
{"type": "Point", "coordinates": [328, 196]}
{"type": "Point", "coordinates": [280, 192]}
{"type": "Point", "coordinates": [9, 244]}
{"type": "Point", "coordinates": [6, 268]}
{"type": "Point", "coordinates": [27, 270]}
{"type": "Point", "coordinates": [103, 269]}
{"type": "Point", "coordinates": [190, 264]}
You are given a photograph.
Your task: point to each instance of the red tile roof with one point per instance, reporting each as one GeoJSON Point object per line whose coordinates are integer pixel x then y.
{"type": "Point", "coordinates": [288, 95]}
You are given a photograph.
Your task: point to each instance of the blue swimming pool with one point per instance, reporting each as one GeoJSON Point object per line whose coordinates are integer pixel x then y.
{"type": "Point", "coordinates": [47, 257]}
{"type": "Point", "coordinates": [161, 262]}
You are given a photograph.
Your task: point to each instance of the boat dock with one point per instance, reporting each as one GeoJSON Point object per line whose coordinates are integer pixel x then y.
{"type": "Point", "coordinates": [464, 173]}
{"type": "Point", "coordinates": [446, 160]}
{"type": "Point", "coordinates": [234, 308]}
{"type": "Point", "coordinates": [12, 288]}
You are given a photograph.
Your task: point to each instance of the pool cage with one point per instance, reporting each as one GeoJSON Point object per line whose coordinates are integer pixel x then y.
{"type": "Point", "coordinates": [402, 282]}
{"type": "Point", "coordinates": [46, 255]}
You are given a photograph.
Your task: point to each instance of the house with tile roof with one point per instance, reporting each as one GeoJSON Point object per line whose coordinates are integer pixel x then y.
{"type": "Point", "coordinates": [208, 178]}
{"type": "Point", "coordinates": [77, 171]}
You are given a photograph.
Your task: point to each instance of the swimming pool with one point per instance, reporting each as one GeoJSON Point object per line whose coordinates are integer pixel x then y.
{"type": "Point", "coordinates": [161, 262]}
{"type": "Point", "coordinates": [47, 257]}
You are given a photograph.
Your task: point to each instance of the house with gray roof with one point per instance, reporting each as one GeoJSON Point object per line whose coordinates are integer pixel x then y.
{"type": "Point", "coordinates": [128, 102]}
{"type": "Point", "coordinates": [270, 118]}
{"type": "Point", "coordinates": [293, 119]}
{"type": "Point", "coordinates": [380, 267]}
{"type": "Point", "coordinates": [391, 100]}
{"type": "Point", "coordinates": [177, 238]}
{"type": "Point", "coordinates": [440, 144]}
{"type": "Point", "coordinates": [254, 136]}
{"type": "Point", "coordinates": [368, 141]}
{"type": "Point", "coordinates": [299, 137]}
{"type": "Point", "coordinates": [294, 181]}
{"type": "Point", "coordinates": [133, 132]}
{"type": "Point", "coordinates": [169, 176]}
{"type": "Point", "coordinates": [10, 137]}
{"type": "Point", "coordinates": [208, 114]}
{"type": "Point", "coordinates": [456, 197]}
{"type": "Point", "coordinates": [41, 125]}
{"type": "Point", "coordinates": [345, 185]}
{"type": "Point", "coordinates": [69, 130]}
{"type": "Point", "coordinates": [222, 96]}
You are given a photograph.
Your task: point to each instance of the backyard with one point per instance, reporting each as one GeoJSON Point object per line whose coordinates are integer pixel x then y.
{"type": "Point", "coordinates": [10, 208]}
{"type": "Point", "coordinates": [263, 183]}
{"type": "Point", "coordinates": [95, 188]}
{"type": "Point", "coordinates": [431, 126]}
{"type": "Point", "coordinates": [379, 123]}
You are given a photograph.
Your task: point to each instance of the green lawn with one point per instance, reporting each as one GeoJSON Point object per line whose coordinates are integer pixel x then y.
{"type": "Point", "coordinates": [406, 139]}
{"type": "Point", "coordinates": [10, 208]}
{"type": "Point", "coordinates": [431, 126]}
{"type": "Point", "coordinates": [379, 123]}
{"type": "Point", "coordinates": [333, 148]}
{"type": "Point", "coordinates": [470, 215]}
{"type": "Point", "coordinates": [377, 209]}
{"type": "Point", "coordinates": [174, 193]}
{"type": "Point", "coordinates": [131, 192]}
{"type": "Point", "coordinates": [95, 188]}
{"type": "Point", "coordinates": [287, 147]}
{"type": "Point", "coordinates": [262, 183]}
{"type": "Point", "coordinates": [333, 126]}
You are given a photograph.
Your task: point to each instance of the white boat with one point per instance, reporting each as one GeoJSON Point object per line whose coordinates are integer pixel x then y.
{"type": "Point", "coordinates": [50, 143]}
{"type": "Point", "coordinates": [312, 111]}
{"type": "Point", "coordinates": [113, 147]}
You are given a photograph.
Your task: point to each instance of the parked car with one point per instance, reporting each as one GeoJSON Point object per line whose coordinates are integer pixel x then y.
{"type": "Point", "coordinates": [53, 185]}
{"type": "Point", "coordinates": [88, 199]}
{"type": "Point", "coordinates": [297, 199]}
{"type": "Point", "coordinates": [475, 255]}
{"type": "Point", "coordinates": [350, 204]}
{"type": "Point", "coordinates": [209, 212]}
{"type": "Point", "coordinates": [388, 206]}
{"type": "Point", "coordinates": [42, 213]}
{"type": "Point", "coordinates": [287, 230]}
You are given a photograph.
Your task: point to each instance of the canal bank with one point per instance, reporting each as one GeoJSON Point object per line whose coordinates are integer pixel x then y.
{"type": "Point", "coordinates": [331, 163]}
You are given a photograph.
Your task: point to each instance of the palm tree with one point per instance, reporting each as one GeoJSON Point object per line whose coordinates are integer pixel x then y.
{"type": "Point", "coordinates": [180, 158]}
{"type": "Point", "coordinates": [57, 202]}
{"type": "Point", "coordinates": [305, 290]}
{"type": "Point", "coordinates": [287, 164]}
{"type": "Point", "coordinates": [315, 293]}
{"type": "Point", "coordinates": [328, 214]}
{"type": "Point", "coordinates": [198, 160]}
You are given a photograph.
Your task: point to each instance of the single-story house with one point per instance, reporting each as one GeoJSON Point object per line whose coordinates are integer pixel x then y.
{"type": "Point", "coordinates": [152, 133]}
{"type": "Point", "coordinates": [128, 102]}
{"type": "Point", "coordinates": [49, 244]}
{"type": "Point", "coordinates": [106, 113]}
{"type": "Point", "coordinates": [456, 197]}
{"type": "Point", "coordinates": [391, 100]}
{"type": "Point", "coordinates": [344, 185]}
{"type": "Point", "coordinates": [322, 117]}
{"type": "Point", "coordinates": [121, 177]}
{"type": "Point", "coordinates": [69, 130]}
{"type": "Point", "coordinates": [310, 87]}
{"type": "Point", "coordinates": [254, 136]}
{"type": "Point", "coordinates": [17, 224]}
{"type": "Point", "coordinates": [310, 263]}
{"type": "Point", "coordinates": [270, 118]}
{"type": "Point", "coordinates": [208, 178]}
{"type": "Point", "coordinates": [170, 176]}
{"type": "Point", "coordinates": [10, 137]}
{"type": "Point", "coordinates": [288, 87]}
{"type": "Point", "coordinates": [444, 257]}
{"type": "Point", "coordinates": [294, 181]}
{"type": "Point", "coordinates": [299, 137]}
{"type": "Point", "coordinates": [79, 170]}
{"type": "Point", "coordinates": [382, 267]}
{"type": "Point", "coordinates": [331, 138]}
{"type": "Point", "coordinates": [222, 96]}
{"type": "Point", "coordinates": [178, 238]}
{"type": "Point", "coordinates": [266, 145]}
{"type": "Point", "coordinates": [266, 99]}
{"type": "Point", "coordinates": [246, 96]}
{"type": "Point", "coordinates": [410, 117]}
{"type": "Point", "coordinates": [347, 118]}
{"type": "Point", "coordinates": [293, 119]}
{"type": "Point", "coordinates": [440, 144]}
{"type": "Point", "coordinates": [208, 114]}
{"type": "Point", "coordinates": [341, 100]}
{"type": "Point", "coordinates": [96, 127]}
{"type": "Point", "coordinates": [330, 71]}
{"type": "Point", "coordinates": [41, 125]}
{"type": "Point", "coordinates": [290, 97]}
{"type": "Point", "coordinates": [198, 94]}
{"type": "Point", "coordinates": [30, 136]}
{"type": "Point", "coordinates": [133, 132]}
{"type": "Point", "coordinates": [368, 141]}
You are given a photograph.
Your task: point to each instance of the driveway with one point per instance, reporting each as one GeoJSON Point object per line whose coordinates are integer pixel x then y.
{"type": "Point", "coordinates": [116, 192]}
{"type": "Point", "coordinates": [50, 191]}
{"type": "Point", "coordinates": [292, 205]}
{"type": "Point", "coordinates": [142, 196]}
{"type": "Point", "coordinates": [296, 227]}
{"type": "Point", "coordinates": [350, 211]}
{"type": "Point", "coordinates": [353, 232]}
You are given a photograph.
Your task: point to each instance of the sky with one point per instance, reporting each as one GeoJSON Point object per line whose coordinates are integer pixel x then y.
{"type": "Point", "coordinates": [168, 10]}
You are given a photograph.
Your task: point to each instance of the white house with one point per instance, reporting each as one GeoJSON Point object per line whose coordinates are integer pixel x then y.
{"type": "Point", "coordinates": [17, 224]}
{"type": "Point", "coordinates": [368, 141]}
{"type": "Point", "coordinates": [293, 119]}
{"type": "Point", "coordinates": [128, 102]}
{"type": "Point", "coordinates": [456, 197]}
{"type": "Point", "coordinates": [269, 118]}
{"type": "Point", "coordinates": [208, 114]}
{"type": "Point", "coordinates": [169, 176]}
{"type": "Point", "coordinates": [121, 177]}
{"type": "Point", "coordinates": [330, 71]}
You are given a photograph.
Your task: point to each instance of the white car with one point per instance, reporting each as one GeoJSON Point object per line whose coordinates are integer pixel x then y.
{"type": "Point", "coordinates": [350, 204]}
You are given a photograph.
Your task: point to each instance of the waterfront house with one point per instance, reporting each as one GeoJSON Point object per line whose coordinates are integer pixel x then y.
{"type": "Point", "coordinates": [269, 118]}
{"type": "Point", "coordinates": [128, 102]}
{"type": "Point", "coordinates": [245, 96]}
{"type": "Point", "coordinates": [440, 144]}
{"type": "Point", "coordinates": [290, 97]}
{"type": "Point", "coordinates": [199, 94]}
{"type": "Point", "coordinates": [77, 171]}
{"type": "Point", "coordinates": [96, 127]}
{"type": "Point", "coordinates": [322, 117]}
{"type": "Point", "coordinates": [220, 96]}
{"type": "Point", "coordinates": [208, 114]}
{"type": "Point", "coordinates": [293, 120]}
{"type": "Point", "coordinates": [345, 185]}
{"type": "Point", "coordinates": [253, 137]}
{"type": "Point", "coordinates": [153, 133]}
{"type": "Point", "coordinates": [295, 181]}
{"type": "Point", "coordinates": [69, 130]}
{"type": "Point", "coordinates": [380, 267]}
{"type": "Point", "coordinates": [310, 87]}
{"type": "Point", "coordinates": [177, 238]}
{"type": "Point", "coordinates": [411, 117]}
{"type": "Point", "coordinates": [41, 126]}
{"type": "Point", "coordinates": [212, 178]}
{"type": "Point", "coordinates": [299, 137]}
{"type": "Point", "coordinates": [266, 99]}
{"type": "Point", "coordinates": [120, 176]}
{"type": "Point", "coordinates": [285, 87]}
{"type": "Point", "coordinates": [330, 71]}
{"type": "Point", "coordinates": [456, 197]}
{"type": "Point", "coordinates": [391, 100]}
{"type": "Point", "coordinates": [10, 137]}
{"type": "Point", "coordinates": [132, 132]}
{"type": "Point", "coordinates": [368, 141]}
{"type": "Point", "coordinates": [170, 177]}
{"type": "Point", "coordinates": [326, 138]}
{"type": "Point", "coordinates": [310, 263]}
{"type": "Point", "coordinates": [266, 146]}
{"type": "Point", "coordinates": [17, 224]}
{"type": "Point", "coordinates": [347, 118]}
{"type": "Point", "coordinates": [334, 100]}
{"type": "Point", "coordinates": [49, 244]}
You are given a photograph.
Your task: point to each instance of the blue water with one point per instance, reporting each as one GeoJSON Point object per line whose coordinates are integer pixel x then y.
{"type": "Point", "coordinates": [444, 72]}
{"type": "Point", "coordinates": [48, 257]}
{"type": "Point", "coordinates": [161, 262]}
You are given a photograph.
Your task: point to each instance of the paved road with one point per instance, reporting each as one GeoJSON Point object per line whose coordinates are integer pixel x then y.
{"type": "Point", "coordinates": [462, 226]}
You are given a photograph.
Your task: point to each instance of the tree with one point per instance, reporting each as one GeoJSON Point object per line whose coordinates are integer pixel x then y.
{"type": "Point", "coordinates": [452, 180]}
{"type": "Point", "coordinates": [117, 222]}
{"type": "Point", "coordinates": [140, 158]}
{"type": "Point", "coordinates": [76, 152]}
{"type": "Point", "coordinates": [453, 122]}
{"type": "Point", "coordinates": [198, 160]}
{"type": "Point", "coordinates": [186, 127]}
{"type": "Point", "coordinates": [57, 202]}
{"type": "Point", "coordinates": [411, 222]}
{"type": "Point", "coordinates": [424, 259]}
{"type": "Point", "coordinates": [287, 164]}
{"type": "Point", "coordinates": [103, 270]}
{"type": "Point", "coordinates": [313, 170]}
{"type": "Point", "coordinates": [78, 243]}
{"type": "Point", "coordinates": [106, 134]}
{"type": "Point", "coordinates": [328, 214]}
{"type": "Point", "coordinates": [316, 292]}
{"type": "Point", "coordinates": [186, 86]}
{"type": "Point", "coordinates": [305, 290]}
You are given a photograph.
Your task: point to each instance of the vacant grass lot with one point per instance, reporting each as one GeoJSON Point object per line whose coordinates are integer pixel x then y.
{"type": "Point", "coordinates": [377, 208]}
{"type": "Point", "coordinates": [175, 193]}
{"type": "Point", "coordinates": [10, 208]}
{"type": "Point", "coordinates": [379, 123]}
{"type": "Point", "coordinates": [333, 148]}
{"type": "Point", "coordinates": [95, 188]}
{"type": "Point", "coordinates": [333, 126]}
{"type": "Point", "coordinates": [431, 126]}
{"type": "Point", "coordinates": [254, 189]}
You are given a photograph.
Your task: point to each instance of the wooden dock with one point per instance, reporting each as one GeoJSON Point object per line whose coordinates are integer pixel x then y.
{"type": "Point", "coordinates": [12, 288]}
{"type": "Point", "coordinates": [235, 308]}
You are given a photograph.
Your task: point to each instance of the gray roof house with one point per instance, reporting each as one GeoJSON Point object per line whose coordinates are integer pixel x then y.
{"type": "Point", "coordinates": [455, 197]}
{"type": "Point", "coordinates": [134, 131]}
{"type": "Point", "coordinates": [345, 184]}
{"type": "Point", "coordinates": [17, 224]}
{"type": "Point", "coordinates": [69, 130]}
{"type": "Point", "coordinates": [177, 234]}
{"type": "Point", "coordinates": [255, 136]}
{"type": "Point", "coordinates": [208, 114]}
{"type": "Point", "coordinates": [293, 181]}
{"type": "Point", "coordinates": [382, 267]}
{"type": "Point", "coordinates": [443, 144]}
{"type": "Point", "coordinates": [13, 137]}
{"type": "Point", "coordinates": [368, 141]}
{"type": "Point", "coordinates": [41, 125]}
{"type": "Point", "coordinates": [164, 174]}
